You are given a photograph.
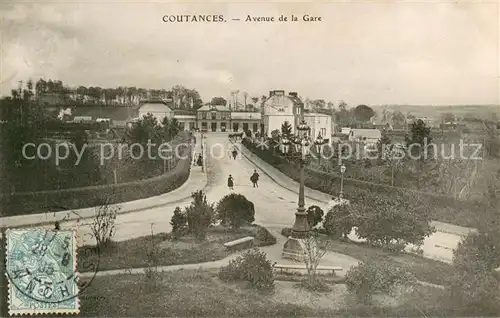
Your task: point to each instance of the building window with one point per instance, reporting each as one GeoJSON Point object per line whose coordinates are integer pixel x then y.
{"type": "Point", "coordinates": [323, 132]}
{"type": "Point", "coordinates": [204, 125]}
{"type": "Point", "coordinates": [203, 115]}
{"type": "Point", "coordinates": [214, 115]}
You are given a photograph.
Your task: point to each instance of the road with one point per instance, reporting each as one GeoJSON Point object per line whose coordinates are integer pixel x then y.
{"type": "Point", "coordinates": [274, 204]}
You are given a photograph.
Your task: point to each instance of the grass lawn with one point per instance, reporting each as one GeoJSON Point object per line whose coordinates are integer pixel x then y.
{"type": "Point", "coordinates": [133, 253]}
{"type": "Point", "coordinates": [200, 293]}
{"type": "Point", "coordinates": [424, 269]}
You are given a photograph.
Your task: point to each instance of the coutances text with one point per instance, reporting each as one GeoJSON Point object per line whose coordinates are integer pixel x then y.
{"type": "Point", "coordinates": [193, 18]}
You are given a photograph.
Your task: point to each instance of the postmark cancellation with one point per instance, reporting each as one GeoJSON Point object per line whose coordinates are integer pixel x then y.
{"type": "Point", "coordinates": [41, 271]}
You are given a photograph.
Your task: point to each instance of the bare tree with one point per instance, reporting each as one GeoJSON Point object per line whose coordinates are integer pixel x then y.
{"type": "Point", "coordinates": [151, 271]}
{"type": "Point", "coordinates": [103, 223]}
{"type": "Point", "coordinates": [314, 254]}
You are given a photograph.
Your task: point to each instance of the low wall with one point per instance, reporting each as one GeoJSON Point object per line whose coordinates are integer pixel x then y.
{"type": "Point", "coordinates": [66, 199]}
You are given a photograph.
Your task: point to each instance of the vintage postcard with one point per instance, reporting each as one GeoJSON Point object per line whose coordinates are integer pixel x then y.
{"type": "Point", "coordinates": [250, 158]}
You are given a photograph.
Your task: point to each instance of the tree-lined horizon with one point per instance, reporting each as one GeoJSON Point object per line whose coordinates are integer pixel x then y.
{"type": "Point", "coordinates": [182, 97]}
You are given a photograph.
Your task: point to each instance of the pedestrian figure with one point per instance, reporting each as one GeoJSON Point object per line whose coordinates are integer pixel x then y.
{"type": "Point", "coordinates": [57, 226]}
{"type": "Point", "coordinates": [230, 182]}
{"type": "Point", "coordinates": [255, 179]}
{"type": "Point", "coordinates": [235, 153]}
{"type": "Point", "coordinates": [199, 162]}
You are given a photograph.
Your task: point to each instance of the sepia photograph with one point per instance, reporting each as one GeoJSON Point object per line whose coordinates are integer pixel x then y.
{"type": "Point", "coordinates": [250, 158]}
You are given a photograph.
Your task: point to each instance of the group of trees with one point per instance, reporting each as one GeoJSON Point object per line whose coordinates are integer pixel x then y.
{"type": "Point", "coordinates": [183, 98]}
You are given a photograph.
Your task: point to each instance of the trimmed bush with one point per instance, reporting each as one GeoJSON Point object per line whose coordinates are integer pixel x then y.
{"type": "Point", "coordinates": [264, 237]}
{"type": "Point", "coordinates": [286, 232]}
{"type": "Point", "coordinates": [253, 267]}
{"type": "Point", "coordinates": [179, 223]}
{"type": "Point", "coordinates": [235, 210]}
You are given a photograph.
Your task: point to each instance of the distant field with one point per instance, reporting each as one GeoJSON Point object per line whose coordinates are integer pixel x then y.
{"type": "Point", "coordinates": [482, 111]}
{"type": "Point", "coordinates": [113, 112]}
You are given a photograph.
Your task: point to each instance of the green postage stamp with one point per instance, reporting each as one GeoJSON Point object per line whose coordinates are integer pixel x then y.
{"type": "Point", "coordinates": [41, 271]}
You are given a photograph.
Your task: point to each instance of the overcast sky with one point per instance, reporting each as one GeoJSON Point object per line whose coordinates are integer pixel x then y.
{"type": "Point", "coordinates": [372, 53]}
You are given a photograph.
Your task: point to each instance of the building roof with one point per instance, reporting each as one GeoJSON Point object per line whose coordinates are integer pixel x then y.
{"type": "Point", "coordinates": [315, 115]}
{"type": "Point", "coordinates": [156, 106]}
{"type": "Point", "coordinates": [220, 108]}
{"type": "Point", "coordinates": [368, 133]}
{"type": "Point", "coordinates": [246, 115]}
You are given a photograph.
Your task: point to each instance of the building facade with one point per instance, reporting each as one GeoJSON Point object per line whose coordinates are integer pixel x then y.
{"type": "Point", "coordinates": [213, 118]}
{"type": "Point", "coordinates": [280, 108]}
{"type": "Point", "coordinates": [367, 136]}
{"type": "Point", "coordinates": [320, 124]}
{"type": "Point", "coordinates": [186, 119]}
{"type": "Point", "coordinates": [243, 121]}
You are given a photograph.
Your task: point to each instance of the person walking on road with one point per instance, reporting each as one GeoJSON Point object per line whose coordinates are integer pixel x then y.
{"type": "Point", "coordinates": [235, 153]}
{"type": "Point", "coordinates": [230, 182]}
{"type": "Point", "coordinates": [255, 179]}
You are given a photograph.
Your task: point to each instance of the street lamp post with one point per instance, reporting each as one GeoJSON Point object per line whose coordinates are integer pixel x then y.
{"type": "Point", "coordinates": [342, 170]}
{"type": "Point", "coordinates": [319, 147]}
{"type": "Point", "coordinates": [294, 247]}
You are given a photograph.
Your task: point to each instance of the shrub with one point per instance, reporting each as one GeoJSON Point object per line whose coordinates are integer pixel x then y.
{"type": "Point", "coordinates": [253, 267]}
{"type": "Point", "coordinates": [264, 237]}
{"type": "Point", "coordinates": [339, 221]}
{"type": "Point", "coordinates": [286, 232]}
{"type": "Point", "coordinates": [179, 222]}
{"type": "Point", "coordinates": [200, 214]}
{"type": "Point", "coordinates": [314, 215]}
{"type": "Point", "coordinates": [377, 275]}
{"type": "Point", "coordinates": [236, 210]}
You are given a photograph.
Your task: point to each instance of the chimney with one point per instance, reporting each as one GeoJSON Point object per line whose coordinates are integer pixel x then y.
{"type": "Point", "coordinates": [271, 93]}
{"type": "Point", "coordinates": [293, 94]}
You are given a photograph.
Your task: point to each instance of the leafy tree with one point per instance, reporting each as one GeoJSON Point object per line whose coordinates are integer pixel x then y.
{"type": "Point", "coordinates": [383, 221]}
{"type": "Point", "coordinates": [377, 275]}
{"type": "Point", "coordinates": [200, 214]}
{"type": "Point", "coordinates": [398, 119]}
{"type": "Point", "coordinates": [169, 128]}
{"type": "Point", "coordinates": [420, 137]}
{"type": "Point", "coordinates": [314, 215]}
{"type": "Point", "coordinates": [474, 286]}
{"type": "Point", "coordinates": [218, 101]}
{"type": "Point", "coordinates": [145, 129]}
{"type": "Point", "coordinates": [236, 210]}
{"type": "Point", "coordinates": [448, 117]}
{"type": "Point", "coordinates": [363, 113]}
{"type": "Point", "coordinates": [286, 129]}
{"type": "Point", "coordinates": [339, 221]}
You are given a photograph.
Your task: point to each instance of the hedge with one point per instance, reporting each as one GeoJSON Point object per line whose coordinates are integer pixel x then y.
{"type": "Point", "coordinates": [444, 208]}
{"type": "Point", "coordinates": [67, 199]}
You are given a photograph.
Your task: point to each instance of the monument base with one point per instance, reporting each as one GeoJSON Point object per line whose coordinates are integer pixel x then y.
{"type": "Point", "coordinates": [295, 249]}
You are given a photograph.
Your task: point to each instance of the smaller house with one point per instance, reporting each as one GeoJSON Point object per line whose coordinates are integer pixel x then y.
{"type": "Point", "coordinates": [159, 110]}
{"type": "Point", "coordinates": [367, 136]}
{"type": "Point", "coordinates": [345, 131]}
{"type": "Point", "coordinates": [82, 119]}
